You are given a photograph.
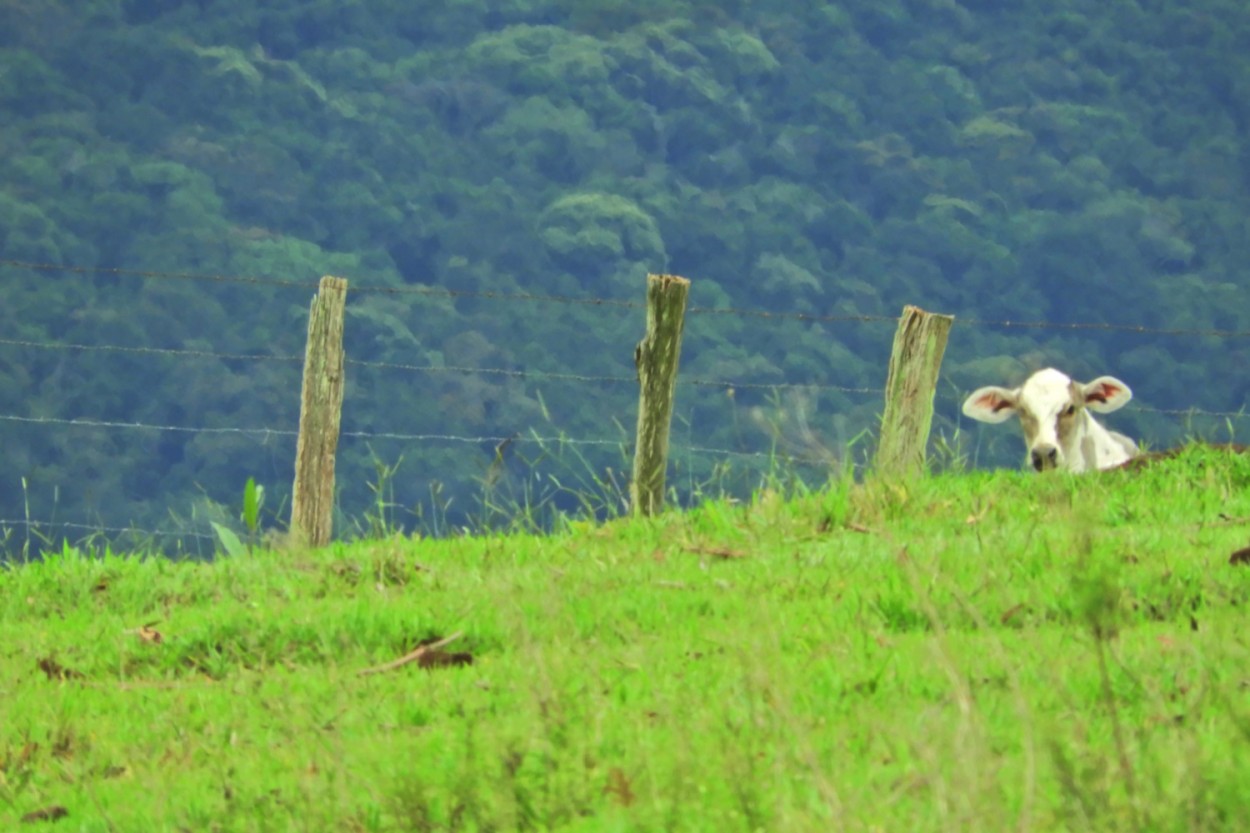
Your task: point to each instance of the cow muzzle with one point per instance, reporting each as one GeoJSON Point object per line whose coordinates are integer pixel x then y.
{"type": "Point", "coordinates": [1044, 457]}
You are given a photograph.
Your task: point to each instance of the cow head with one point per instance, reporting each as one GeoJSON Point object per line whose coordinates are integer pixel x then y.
{"type": "Point", "coordinates": [1051, 409]}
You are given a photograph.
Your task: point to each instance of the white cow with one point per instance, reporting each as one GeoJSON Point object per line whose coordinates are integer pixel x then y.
{"type": "Point", "coordinates": [1058, 429]}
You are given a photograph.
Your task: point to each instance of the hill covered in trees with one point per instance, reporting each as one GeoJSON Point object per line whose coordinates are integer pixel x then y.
{"type": "Point", "coordinates": [1071, 163]}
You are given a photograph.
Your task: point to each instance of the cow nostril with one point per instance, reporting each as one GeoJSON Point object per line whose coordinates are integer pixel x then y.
{"type": "Point", "coordinates": [1045, 457]}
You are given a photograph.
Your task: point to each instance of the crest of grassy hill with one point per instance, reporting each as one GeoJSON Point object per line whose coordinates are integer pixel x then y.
{"type": "Point", "coordinates": [975, 651]}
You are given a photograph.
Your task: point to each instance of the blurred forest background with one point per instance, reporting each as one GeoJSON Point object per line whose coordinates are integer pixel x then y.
{"type": "Point", "coordinates": [1068, 162]}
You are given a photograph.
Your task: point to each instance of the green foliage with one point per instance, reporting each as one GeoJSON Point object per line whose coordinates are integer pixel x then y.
{"type": "Point", "coordinates": [590, 233]}
{"type": "Point", "coordinates": [542, 60]}
{"type": "Point", "coordinates": [229, 541]}
{"type": "Point", "coordinates": [988, 130]}
{"type": "Point", "coordinates": [253, 500]}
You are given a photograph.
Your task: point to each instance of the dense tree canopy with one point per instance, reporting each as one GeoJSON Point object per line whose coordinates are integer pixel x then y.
{"type": "Point", "coordinates": [1074, 163]}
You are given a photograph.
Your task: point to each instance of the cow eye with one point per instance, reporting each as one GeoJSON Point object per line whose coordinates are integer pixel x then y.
{"type": "Point", "coordinates": [1070, 410]}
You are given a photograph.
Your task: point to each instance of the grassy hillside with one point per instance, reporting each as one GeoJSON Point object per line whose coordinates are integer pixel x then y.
{"type": "Point", "coordinates": [986, 651]}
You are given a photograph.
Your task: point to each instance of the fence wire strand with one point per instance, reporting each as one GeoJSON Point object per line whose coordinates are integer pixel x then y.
{"type": "Point", "coordinates": [458, 438]}
{"type": "Point", "coordinates": [1122, 328]}
{"type": "Point", "coordinates": [447, 292]}
{"type": "Point", "coordinates": [481, 440]}
{"type": "Point", "coordinates": [143, 426]}
{"type": "Point", "coordinates": [112, 530]}
{"type": "Point", "coordinates": [155, 351]}
{"type": "Point", "coordinates": [418, 368]}
{"type": "Point", "coordinates": [148, 273]}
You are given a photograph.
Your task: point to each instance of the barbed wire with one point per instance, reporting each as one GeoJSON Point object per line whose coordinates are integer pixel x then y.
{"type": "Point", "coordinates": [268, 432]}
{"type": "Point", "coordinates": [493, 295]}
{"type": "Point", "coordinates": [1187, 411]}
{"type": "Point", "coordinates": [285, 432]}
{"type": "Point", "coordinates": [489, 371]}
{"type": "Point", "coordinates": [758, 455]}
{"type": "Point", "coordinates": [494, 440]}
{"type": "Point", "coordinates": [447, 292]}
{"type": "Point", "coordinates": [143, 426]}
{"type": "Point", "coordinates": [148, 273]}
{"type": "Point", "coordinates": [443, 292]}
{"type": "Point", "coordinates": [794, 316]}
{"type": "Point", "coordinates": [164, 351]}
{"type": "Point", "coordinates": [1127, 328]}
{"type": "Point", "coordinates": [482, 440]}
{"type": "Point", "coordinates": [151, 533]}
{"type": "Point", "coordinates": [429, 291]}
{"type": "Point", "coordinates": [714, 383]}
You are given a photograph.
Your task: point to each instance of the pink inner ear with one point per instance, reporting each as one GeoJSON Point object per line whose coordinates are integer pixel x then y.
{"type": "Point", "coordinates": [993, 402]}
{"type": "Point", "coordinates": [1104, 392]}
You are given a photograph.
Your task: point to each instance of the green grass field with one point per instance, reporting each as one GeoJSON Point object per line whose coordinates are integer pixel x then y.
{"type": "Point", "coordinates": [985, 651]}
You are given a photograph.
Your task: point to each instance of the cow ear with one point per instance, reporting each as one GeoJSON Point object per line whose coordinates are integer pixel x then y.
{"type": "Point", "coordinates": [1106, 393]}
{"type": "Point", "coordinates": [991, 404]}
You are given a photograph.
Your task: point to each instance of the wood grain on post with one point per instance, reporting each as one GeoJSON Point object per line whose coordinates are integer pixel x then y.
{"type": "Point", "coordinates": [656, 358]}
{"type": "Point", "coordinates": [321, 403]}
{"type": "Point", "coordinates": [910, 386]}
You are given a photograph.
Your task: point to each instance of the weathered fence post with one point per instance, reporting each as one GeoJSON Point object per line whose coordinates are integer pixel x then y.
{"type": "Point", "coordinates": [312, 498]}
{"type": "Point", "coordinates": [909, 389]}
{"type": "Point", "coordinates": [656, 359]}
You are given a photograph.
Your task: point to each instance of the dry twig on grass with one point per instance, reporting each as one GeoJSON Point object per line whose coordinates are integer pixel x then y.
{"type": "Point", "coordinates": [415, 656]}
{"type": "Point", "coordinates": [723, 553]}
{"type": "Point", "coordinates": [53, 813]}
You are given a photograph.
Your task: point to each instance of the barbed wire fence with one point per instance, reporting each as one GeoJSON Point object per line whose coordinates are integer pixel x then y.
{"type": "Point", "coordinates": [268, 433]}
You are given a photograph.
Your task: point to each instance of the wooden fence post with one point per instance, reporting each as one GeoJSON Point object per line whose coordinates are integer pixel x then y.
{"type": "Point", "coordinates": [656, 359]}
{"type": "Point", "coordinates": [312, 498]}
{"type": "Point", "coordinates": [915, 362]}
